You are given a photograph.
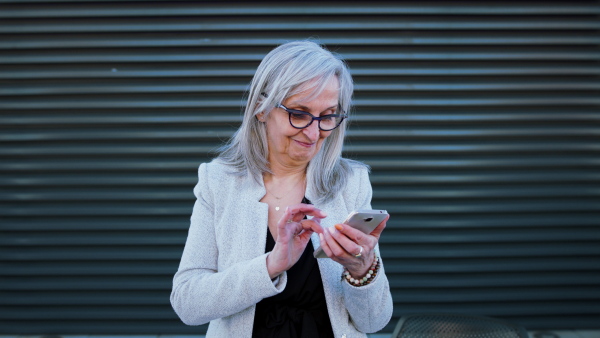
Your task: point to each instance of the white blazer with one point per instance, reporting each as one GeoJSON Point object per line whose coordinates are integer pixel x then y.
{"type": "Point", "coordinates": [223, 271]}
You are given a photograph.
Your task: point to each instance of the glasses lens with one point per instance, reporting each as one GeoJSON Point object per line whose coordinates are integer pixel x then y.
{"type": "Point", "coordinates": [329, 122]}
{"type": "Point", "coordinates": [300, 120]}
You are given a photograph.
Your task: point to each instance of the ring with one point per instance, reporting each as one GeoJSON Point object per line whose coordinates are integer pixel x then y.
{"type": "Point", "coordinates": [359, 253]}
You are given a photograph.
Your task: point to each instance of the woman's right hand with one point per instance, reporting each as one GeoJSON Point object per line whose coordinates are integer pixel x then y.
{"type": "Point", "coordinates": [293, 234]}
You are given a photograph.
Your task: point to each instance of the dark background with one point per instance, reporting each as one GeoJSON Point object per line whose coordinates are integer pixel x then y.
{"type": "Point", "coordinates": [479, 119]}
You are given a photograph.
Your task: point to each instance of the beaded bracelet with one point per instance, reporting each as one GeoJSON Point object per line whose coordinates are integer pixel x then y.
{"type": "Point", "coordinates": [368, 278]}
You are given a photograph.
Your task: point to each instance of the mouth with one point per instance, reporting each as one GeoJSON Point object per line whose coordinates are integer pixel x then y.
{"type": "Point", "coordinates": [304, 144]}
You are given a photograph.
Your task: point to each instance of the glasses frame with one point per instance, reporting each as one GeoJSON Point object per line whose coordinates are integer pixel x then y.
{"type": "Point", "coordinates": [301, 112]}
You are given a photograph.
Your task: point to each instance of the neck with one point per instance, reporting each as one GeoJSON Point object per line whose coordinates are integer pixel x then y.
{"type": "Point", "coordinates": [284, 178]}
{"type": "Point", "coordinates": [285, 172]}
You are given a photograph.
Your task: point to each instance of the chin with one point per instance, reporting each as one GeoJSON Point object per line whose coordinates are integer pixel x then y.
{"type": "Point", "coordinates": [305, 157]}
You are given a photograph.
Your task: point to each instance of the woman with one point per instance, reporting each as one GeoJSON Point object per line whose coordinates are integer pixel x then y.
{"type": "Point", "coordinates": [248, 265]}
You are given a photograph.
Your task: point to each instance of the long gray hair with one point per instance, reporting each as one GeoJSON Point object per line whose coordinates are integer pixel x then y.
{"type": "Point", "coordinates": [288, 70]}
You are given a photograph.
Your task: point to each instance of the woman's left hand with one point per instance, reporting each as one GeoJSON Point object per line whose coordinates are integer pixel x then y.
{"type": "Point", "coordinates": [343, 243]}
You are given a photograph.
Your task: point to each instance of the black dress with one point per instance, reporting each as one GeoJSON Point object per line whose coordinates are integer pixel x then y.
{"type": "Point", "coordinates": [300, 309]}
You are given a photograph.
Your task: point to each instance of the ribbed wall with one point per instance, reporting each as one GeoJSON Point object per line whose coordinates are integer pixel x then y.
{"type": "Point", "coordinates": [480, 121]}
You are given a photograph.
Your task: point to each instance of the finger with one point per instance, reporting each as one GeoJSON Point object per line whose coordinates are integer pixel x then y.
{"type": "Point", "coordinates": [301, 210]}
{"type": "Point", "coordinates": [324, 245]}
{"type": "Point", "coordinates": [379, 229]}
{"type": "Point", "coordinates": [312, 225]}
{"type": "Point", "coordinates": [352, 233]}
{"type": "Point", "coordinates": [304, 236]}
{"type": "Point", "coordinates": [350, 246]}
{"type": "Point", "coordinates": [289, 216]}
{"type": "Point", "coordinates": [336, 248]}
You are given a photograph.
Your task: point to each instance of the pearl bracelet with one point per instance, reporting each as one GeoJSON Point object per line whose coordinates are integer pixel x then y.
{"type": "Point", "coordinates": [368, 278]}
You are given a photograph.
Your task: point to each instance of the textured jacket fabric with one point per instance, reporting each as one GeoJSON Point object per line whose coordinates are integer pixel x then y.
{"type": "Point", "coordinates": [223, 271]}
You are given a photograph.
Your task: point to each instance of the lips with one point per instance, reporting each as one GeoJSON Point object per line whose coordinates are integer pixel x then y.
{"type": "Point", "coordinates": [304, 144]}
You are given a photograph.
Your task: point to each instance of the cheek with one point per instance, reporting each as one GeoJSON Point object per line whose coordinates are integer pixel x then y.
{"type": "Point", "coordinates": [324, 134]}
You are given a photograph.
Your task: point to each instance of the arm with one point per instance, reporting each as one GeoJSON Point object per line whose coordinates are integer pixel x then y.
{"type": "Point", "coordinates": [370, 306]}
{"type": "Point", "coordinates": [201, 292]}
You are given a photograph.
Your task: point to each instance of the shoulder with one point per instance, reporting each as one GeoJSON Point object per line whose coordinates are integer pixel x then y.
{"type": "Point", "coordinates": [356, 170]}
{"type": "Point", "coordinates": [358, 191]}
{"type": "Point", "coordinates": [214, 176]}
{"type": "Point", "coordinates": [216, 170]}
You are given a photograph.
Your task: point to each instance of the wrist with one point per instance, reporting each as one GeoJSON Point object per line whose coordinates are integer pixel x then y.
{"type": "Point", "coordinates": [365, 279]}
{"type": "Point", "coordinates": [363, 268]}
{"type": "Point", "coordinates": [271, 270]}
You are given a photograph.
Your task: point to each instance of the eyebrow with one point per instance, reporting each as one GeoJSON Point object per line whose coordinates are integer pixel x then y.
{"type": "Point", "coordinates": [305, 108]}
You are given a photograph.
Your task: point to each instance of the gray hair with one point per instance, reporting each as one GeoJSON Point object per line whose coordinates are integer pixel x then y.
{"type": "Point", "coordinates": [288, 70]}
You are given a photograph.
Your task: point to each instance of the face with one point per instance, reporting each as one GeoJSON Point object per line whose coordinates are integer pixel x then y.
{"type": "Point", "coordinates": [289, 146]}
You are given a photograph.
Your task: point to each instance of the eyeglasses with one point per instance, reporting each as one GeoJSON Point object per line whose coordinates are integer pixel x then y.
{"type": "Point", "coordinates": [300, 119]}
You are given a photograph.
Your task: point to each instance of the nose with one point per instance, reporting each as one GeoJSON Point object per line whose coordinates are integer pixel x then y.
{"type": "Point", "coordinates": [312, 131]}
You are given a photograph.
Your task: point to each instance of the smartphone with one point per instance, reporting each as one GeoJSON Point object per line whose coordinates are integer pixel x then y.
{"type": "Point", "coordinates": [363, 220]}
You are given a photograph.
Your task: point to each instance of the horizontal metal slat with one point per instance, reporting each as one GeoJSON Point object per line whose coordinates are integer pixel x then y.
{"type": "Point", "coordinates": [93, 40]}
{"type": "Point", "coordinates": [448, 163]}
{"type": "Point", "coordinates": [409, 193]}
{"type": "Point", "coordinates": [514, 294]}
{"type": "Point", "coordinates": [100, 298]}
{"type": "Point", "coordinates": [149, 298]}
{"type": "Point", "coordinates": [561, 265]}
{"type": "Point", "coordinates": [94, 253]}
{"type": "Point", "coordinates": [114, 327]}
{"type": "Point", "coordinates": [398, 222]}
{"type": "Point", "coordinates": [132, 71]}
{"type": "Point", "coordinates": [179, 86]}
{"type": "Point", "coordinates": [191, 164]}
{"type": "Point", "coordinates": [392, 236]}
{"type": "Point", "coordinates": [98, 238]}
{"type": "Point", "coordinates": [290, 23]}
{"type": "Point", "coordinates": [527, 206]}
{"type": "Point", "coordinates": [408, 281]}
{"type": "Point", "coordinates": [378, 179]}
{"type": "Point", "coordinates": [131, 9]}
{"type": "Point", "coordinates": [562, 99]}
{"type": "Point", "coordinates": [396, 268]}
{"type": "Point", "coordinates": [399, 235]}
{"type": "Point", "coordinates": [91, 312]}
{"type": "Point", "coordinates": [111, 268]}
{"type": "Point", "coordinates": [387, 135]}
{"type": "Point", "coordinates": [406, 251]}
{"type": "Point", "coordinates": [95, 283]}
{"type": "Point", "coordinates": [508, 279]}
{"type": "Point", "coordinates": [367, 115]}
{"type": "Point", "coordinates": [78, 56]}
{"type": "Point", "coordinates": [166, 208]}
{"type": "Point", "coordinates": [499, 309]}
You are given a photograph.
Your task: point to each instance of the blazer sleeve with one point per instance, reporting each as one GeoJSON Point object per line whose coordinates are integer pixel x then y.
{"type": "Point", "coordinates": [370, 307]}
{"type": "Point", "coordinates": [200, 291]}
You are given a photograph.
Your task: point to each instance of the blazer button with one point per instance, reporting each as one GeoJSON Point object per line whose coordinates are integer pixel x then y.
{"type": "Point", "coordinates": [344, 335]}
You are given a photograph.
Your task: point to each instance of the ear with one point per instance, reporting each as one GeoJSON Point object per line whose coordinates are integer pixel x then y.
{"type": "Point", "coordinates": [261, 116]}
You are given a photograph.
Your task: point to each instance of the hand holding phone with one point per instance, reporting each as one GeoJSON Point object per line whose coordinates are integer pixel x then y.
{"type": "Point", "coordinates": [363, 220]}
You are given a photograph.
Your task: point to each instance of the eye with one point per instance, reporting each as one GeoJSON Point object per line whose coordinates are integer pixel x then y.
{"type": "Point", "coordinates": [298, 114]}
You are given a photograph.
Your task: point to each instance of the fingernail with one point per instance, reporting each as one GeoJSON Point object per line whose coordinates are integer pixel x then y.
{"type": "Point", "coordinates": [331, 230]}
{"type": "Point", "coordinates": [324, 213]}
{"type": "Point", "coordinates": [321, 237]}
{"type": "Point", "coordinates": [339, 227]}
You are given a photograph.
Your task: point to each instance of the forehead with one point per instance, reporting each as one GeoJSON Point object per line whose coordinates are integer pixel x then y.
{"type": "Point", "coordinates": [327, 92]}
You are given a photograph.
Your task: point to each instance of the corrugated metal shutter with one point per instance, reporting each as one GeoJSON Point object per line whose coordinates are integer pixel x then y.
{"type": "Point", "coordinates": [480, 120]}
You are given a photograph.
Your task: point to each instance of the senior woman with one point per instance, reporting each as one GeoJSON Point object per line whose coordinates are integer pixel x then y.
{"type": "Point", "coordinates": [278, 190]}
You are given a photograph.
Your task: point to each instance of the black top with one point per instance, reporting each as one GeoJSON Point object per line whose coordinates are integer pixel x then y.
{"type": "Point", "coordinates": [300, 309]}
